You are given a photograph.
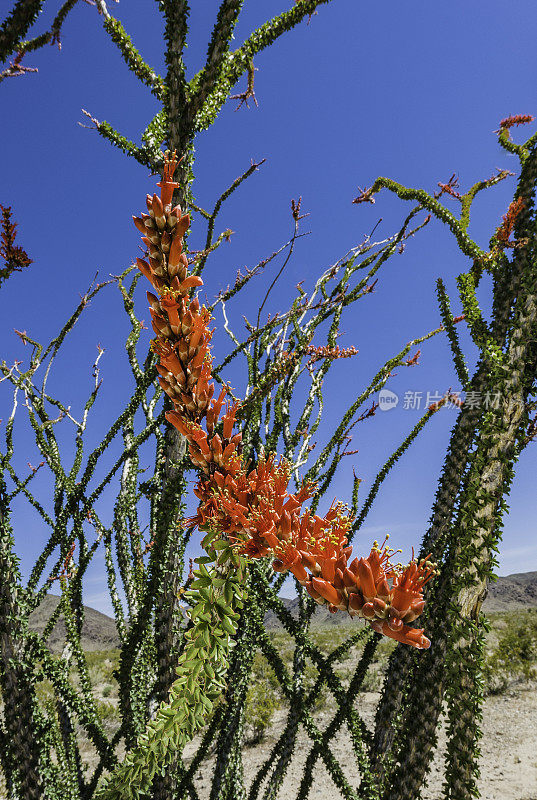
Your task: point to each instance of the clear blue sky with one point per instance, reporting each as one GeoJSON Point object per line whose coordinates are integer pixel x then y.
{"type": "Point", "coordinates": [410, 91]}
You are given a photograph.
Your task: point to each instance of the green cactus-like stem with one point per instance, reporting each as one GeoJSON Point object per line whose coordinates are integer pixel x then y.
{"type": "Point", "coordinates": [401, 673]}
{"type": "Point", "coordinates": [469, 565]}
{"type": "Point", "coordinates": [403, 660]}
{"type": "Point", "coordinates": [229, 738]}
{"type": "Point", "coordinates": [478, 536]}
{"type": "Point", "coordinates": [480, 529]}
{"type": "Point", "coordinates": [17, 24]}
{"type": "Point", "coordinates": [409, 758]}
{"type": "Point", "coordinates": [15, 674]}
{"type": "Point", "coordinates": [170, 543]}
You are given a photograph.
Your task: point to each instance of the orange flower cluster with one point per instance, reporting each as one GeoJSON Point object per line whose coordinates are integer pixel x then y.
{"type": "Point", "coordinates": [254, 508]}
{"type": "Point", "coordinates": [516, 119]}
{"type": "Point", "coordinates": [506, 228]}
{"type": "Point", "coordinates": [317, 353]}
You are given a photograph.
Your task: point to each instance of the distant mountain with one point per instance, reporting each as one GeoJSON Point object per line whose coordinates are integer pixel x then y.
{"type": "Point", "coordinates": [99, 631]}
{"type": "Point", "coordinates": [512, 592]}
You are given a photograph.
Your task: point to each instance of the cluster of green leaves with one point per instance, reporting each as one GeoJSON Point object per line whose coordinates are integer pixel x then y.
{"type": "Point", "coordinates": [215, 596]}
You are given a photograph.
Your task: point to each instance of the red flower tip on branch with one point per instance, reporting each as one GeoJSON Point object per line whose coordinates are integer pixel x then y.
{"type": "Point", "coordinates": [333, 353]}
{"type": "Point", "coordinates": [504, 231]}
{"type": "Point", "coordinates": [295, 210]}
{"type": "Point", "coordinates": [435, 406]}
{"type": "Point", "coordinates": [64, 573]}
{"type": "Point", "coordinates": [455, 399]}
{"type": "Point", "coordinates": [167, 185]}
{"type": "Point", "coordinates": [14, 257]}
{"type": "Point", "coordinates": [148, 547]}
{"type": "Point", "coordinates": [517, 119]}
{"type": "Point", "coordinates": [412, 362]}
{"type": "Point", "coordinates": [450, 187]}
{"type": "Point", "coordinates": [22, 335]}
{"type": "Point", "coordinates": [17, 68]}
{"type": "Point", "coordinates": [371, 286]}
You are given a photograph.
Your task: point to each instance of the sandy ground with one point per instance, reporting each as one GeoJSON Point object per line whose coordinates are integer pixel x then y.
{"type": "Point", "coordinates": [508, 760]}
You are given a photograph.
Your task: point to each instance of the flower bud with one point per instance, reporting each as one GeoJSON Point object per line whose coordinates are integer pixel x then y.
{"type": "Point", "coordinates": [165, 242]}
{"type": "Point", "coordinates": [144, 268]}
{"type": "Point", "coordinates": [139, 224]}
{"type": "Point", "coordinates": [313, 593]}
{"type": "Point", "coordinates": [328, 569]}
{"type": "Point", "coordinates": [368, 611]}
{"type": "Point", "coordinates": [176, 249]}
{"type": "Point", "coordinates": [356, 602]}
{"type": "Point", "coordinates": [366, 579]}
{"type": "Point", "coordinates": [326, 590]}
{"type": "Point", "coordinates": [158, 211]}
{"type": "Point", "coordinates": [174, 215]}
{"type": "Point", "coordinates": [394, 623]}
{"type": "Point", "coordinates": [310, 562]}
{"type": "Point", "coordinates": [379, 606]}
{"type": "Point", "coordinates": [154, 302]}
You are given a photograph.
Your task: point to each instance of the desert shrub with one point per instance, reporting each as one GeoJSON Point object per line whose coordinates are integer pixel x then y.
{"type": "Point", "coordinates": [261, 702]}
{"type": "Point", "coordinates": [106, 711]}
{"type": "Point", "coordinates": [263, 672]}
{"type": "Point", "coordinates": [329, 638]}
{"type": "Point", "coordinates": [44, 691]}
{"type": "Point", "coordinates": [372, 681]}
{"type": "Point", "coordinates": [514, 657]}
{"type": "Point", "coordinates": [102, 665]}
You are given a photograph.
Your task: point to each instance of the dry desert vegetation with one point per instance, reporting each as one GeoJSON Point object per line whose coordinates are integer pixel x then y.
{"type": "Point", "coordinates": [509, 744]}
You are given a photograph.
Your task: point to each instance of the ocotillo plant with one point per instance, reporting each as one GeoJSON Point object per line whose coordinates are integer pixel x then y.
{"type": "Point", "coordinates": [31, 738]}
{"type": "Point", "coordinates": [245, 512]}
{"type": "Point", "coordinates": [39, 745]}
{"type": "Point", "coordinates": [41, 753]}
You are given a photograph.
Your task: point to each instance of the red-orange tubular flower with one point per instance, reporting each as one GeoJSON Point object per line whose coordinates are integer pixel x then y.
{"type": "Point", "coordinates": [254, 508]}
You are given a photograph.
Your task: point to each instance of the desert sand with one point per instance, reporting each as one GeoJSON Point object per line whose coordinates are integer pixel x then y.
{"type": "Point", "coordinates": [508, 761]}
